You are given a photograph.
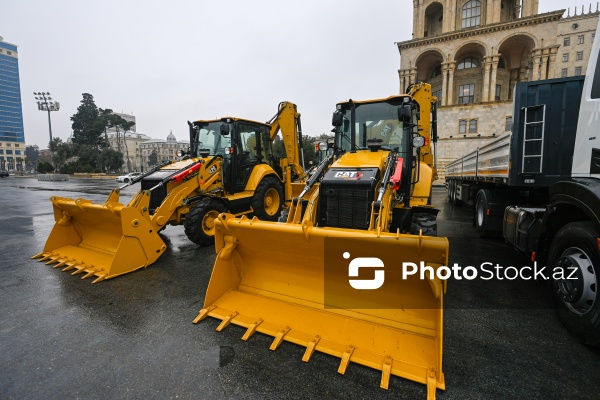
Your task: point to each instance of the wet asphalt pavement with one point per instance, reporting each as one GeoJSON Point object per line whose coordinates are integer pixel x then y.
{"type": "Point", "coordinates": [132, 336]}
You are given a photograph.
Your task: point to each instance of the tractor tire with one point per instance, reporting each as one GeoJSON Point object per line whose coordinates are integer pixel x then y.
{"type": "Point", "coordinates": [267, 201]}
{"type": "Point", "coordinates": [424, 222]}
{"type": "Point", "coordinates": [574, 251]}
{"type": "Point", "coordinates": [199, 225]}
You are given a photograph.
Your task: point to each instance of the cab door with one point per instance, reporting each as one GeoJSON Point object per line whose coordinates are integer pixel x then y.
{"type": "Point", "coordinates": [249, 152]}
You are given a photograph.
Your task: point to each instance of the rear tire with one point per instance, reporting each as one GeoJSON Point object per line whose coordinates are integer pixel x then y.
{"type": "Point", "coordinates": [482, 219]}
{"type": "Point", "coordinates": [267, 201]}
{"type": "Point", "coordinates": [450, 190]}
{"type": "Point", "coordinates": [575, 248]}
{"type": "Point", "coordinates": [199, 224]}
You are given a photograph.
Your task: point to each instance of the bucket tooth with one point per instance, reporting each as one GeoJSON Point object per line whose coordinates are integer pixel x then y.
{"type": "Point", "coordinates": [345, 360]}
{"type": "Point", "coordinates": [279, 338]}
{"type": "Point", "coordinates": [89, 274]}
{"type": "Point", "coordinates": [431, 385]}
{"type": "Point", "coordinates": [72, 265]}
{"type": "Point", "coordinates": [63, 262]}
{"type": "Point", "coordinates": [251, 329]}
{"type": "Point", "coordinates": [38, 255]}
{"type": "Point", "coordinates": [47, 256]}
{"type": "Point", "coordinates": [226, 321]}
{"type": "Point", "coordinates": [99, 278]}
{"type": "Point", "coordinates": [203, 313]}
{"type": "Point", "coordinates": [386, 371]}
{"type": "Point", "coordinates": [310, 348]}
{"type": "Point", "coordinates": [53, 260]}
{"type": "Point", "coordinates": [80, 269]}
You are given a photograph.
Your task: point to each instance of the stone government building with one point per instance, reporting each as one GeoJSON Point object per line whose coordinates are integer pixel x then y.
{"type": "Point", "coordinates": [473, 52]}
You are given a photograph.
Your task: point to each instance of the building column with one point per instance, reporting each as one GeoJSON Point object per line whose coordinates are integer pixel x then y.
{"type": "Point", "coordinates": [536, 65]}
{"type": "Point", "coordinates": [486, 79]}
{"type": "Point", "coordinates": [544, 62]}
{"type": "Point", "coordinates": [443, 100]}
{"type": "Point", "coordinates": [450, 15]}
{"type": "Point", "coordinates": [493, 12]}
{"type": "Point", "coordinates": [495, 60]}
{"type": "Point", "coordinates": [552, 62]}
{"type": "Point", "coordinates": [412, 76]}
{"type": "Point", "coordinates": [450, 99]}
{"type": "Point", "coordinates": [418, 19]}
{"type": "Point", "coordinates": [404, 79]}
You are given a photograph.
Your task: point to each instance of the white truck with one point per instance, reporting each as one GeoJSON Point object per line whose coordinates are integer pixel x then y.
{"type": "Point", "coordinates": [539, 187]}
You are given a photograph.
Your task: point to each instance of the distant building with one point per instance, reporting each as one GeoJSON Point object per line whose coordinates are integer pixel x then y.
{"type": "Point", "coordinates": [474, 52]}
{"type": "Point", "coordinates": [165, 150]}
{"type": "Point", "coordinates": [12, 136]}
{"type": "Point", "coordinates": [130, 145]}
{"type": "Point", "coordinates": [126, 117]}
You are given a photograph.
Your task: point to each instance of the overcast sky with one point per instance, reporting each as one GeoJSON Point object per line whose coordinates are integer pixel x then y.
{"type": "Point", "coordinates": [170, 62]}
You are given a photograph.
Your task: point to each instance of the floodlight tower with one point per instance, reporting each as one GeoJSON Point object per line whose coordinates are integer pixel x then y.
{"type": "Point", "coordinates": [45, 103]}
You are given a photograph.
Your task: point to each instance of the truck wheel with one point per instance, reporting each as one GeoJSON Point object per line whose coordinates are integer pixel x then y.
{"type": "Point", "coordinates": [267, 201]}
{"type": "Point", "coordinates": [199, 224]}
{"type": "Point", "coordinates": [451, 186]}
{"type": "Point", "coordinates": [574, 252]}
{"type": "Point", "coordinates": [482, 219]}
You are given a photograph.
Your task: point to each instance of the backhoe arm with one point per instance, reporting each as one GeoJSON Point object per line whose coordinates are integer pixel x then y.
{"type": "Point", "coordinates": [287, 120]}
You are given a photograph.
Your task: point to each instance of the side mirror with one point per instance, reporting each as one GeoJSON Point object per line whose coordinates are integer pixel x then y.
{"type": "Point", "coordinates": [180, 153]}
{"type": "Point", "coordinates": [225, 129]}
{"type": "Point", "coordinates": [336, 119]}
{"type": "Point", "coordinates": [404, 113]}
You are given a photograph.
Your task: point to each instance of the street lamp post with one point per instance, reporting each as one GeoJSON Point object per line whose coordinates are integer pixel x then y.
{"type": "Point", "coordinates": [45, 103]}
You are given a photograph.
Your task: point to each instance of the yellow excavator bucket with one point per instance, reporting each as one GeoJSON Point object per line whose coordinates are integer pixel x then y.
{"type": "Point", "coordinates": [292, 282]}
{"type": "Point", "coordinates": [101, 240]}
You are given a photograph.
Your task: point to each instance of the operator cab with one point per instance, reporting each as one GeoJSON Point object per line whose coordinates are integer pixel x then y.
{"type": "Point", "coordinates": [242, 144]}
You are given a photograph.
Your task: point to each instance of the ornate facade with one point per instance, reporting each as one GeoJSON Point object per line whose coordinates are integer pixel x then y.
{"type": "Point", "coordinates": [474, 52]}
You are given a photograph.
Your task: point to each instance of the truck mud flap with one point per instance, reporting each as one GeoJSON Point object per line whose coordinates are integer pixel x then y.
{"type": "Point", "coordinates": [292, 282]}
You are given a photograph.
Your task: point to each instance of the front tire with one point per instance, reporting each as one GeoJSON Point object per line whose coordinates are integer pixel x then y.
{"type": "Point", "coordinates": [267, 201]}
{"type": "Point", "coordinates": [199, 225]}
{"type": "Point", "coordinates": [574, 251]}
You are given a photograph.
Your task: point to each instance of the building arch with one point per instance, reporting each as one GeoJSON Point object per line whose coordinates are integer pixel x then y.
{"type": "Point", "coordinates": [516, 52]}
{"type": "Point", "coordinates": [508, 9]}
{"type": "Point", "coordinates": [473, 48]}
{"type": "Point", "coordinates": [429, 69]}
{"type": "Point", "coordinates": [434, 19]}
{"type": "Point", "coordinates": [468, 79]}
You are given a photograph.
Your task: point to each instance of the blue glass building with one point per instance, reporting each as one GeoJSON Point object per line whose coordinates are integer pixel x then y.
{"type": "Point", "coordinates": [12, 136]}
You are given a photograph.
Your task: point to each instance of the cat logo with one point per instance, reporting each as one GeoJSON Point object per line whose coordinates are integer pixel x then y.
{"type": "Point", "coordinates": [355, 175]}
{"type": "Point", "coordinates": [212, 169]}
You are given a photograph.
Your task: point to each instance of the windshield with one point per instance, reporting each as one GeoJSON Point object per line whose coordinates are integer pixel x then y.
{"type": "Point", "coordinates": [208, 137]}
{"type": "Point", "coordinates": [372, 121]}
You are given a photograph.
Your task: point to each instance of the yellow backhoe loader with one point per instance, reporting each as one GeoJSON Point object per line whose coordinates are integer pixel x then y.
{"type": "Point", "coordinates": [230, 168]}
{"type": "Point", "coordinates": [339, 276]}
